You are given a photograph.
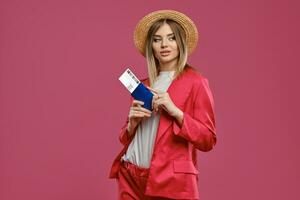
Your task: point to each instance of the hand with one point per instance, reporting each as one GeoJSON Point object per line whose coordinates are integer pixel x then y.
{"type": "Point", "coordinates": [136, 114]}
{"type": "Point", "coordinates": [162, 100]}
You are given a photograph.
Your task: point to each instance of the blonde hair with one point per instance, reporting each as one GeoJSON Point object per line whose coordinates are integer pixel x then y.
{"type": "Point", "coordinates": [180, 38]}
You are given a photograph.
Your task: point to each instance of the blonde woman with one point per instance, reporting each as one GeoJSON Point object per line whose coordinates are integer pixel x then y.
{"type": "Point", "coordinates": [159, 158]}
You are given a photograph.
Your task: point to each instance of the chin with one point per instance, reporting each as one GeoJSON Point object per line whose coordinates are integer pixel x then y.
{"type": "Point", "coordinates": [166, 60]}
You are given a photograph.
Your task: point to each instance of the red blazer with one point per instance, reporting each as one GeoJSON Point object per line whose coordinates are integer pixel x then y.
{"type": "Point", "coordinates": [173, 169]}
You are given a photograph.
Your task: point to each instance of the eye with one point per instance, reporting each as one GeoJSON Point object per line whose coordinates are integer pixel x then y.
{"type": "Point", "coordinates": [156, 39]}
{"type": "Point", "coordinates": [172, 38]}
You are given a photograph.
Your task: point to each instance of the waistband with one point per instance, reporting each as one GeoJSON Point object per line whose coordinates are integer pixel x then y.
{"type": "Point", "coordinates": [135, 170]}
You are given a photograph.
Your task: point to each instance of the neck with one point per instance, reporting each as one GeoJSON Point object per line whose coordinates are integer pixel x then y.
{"type": "Point", "coordinates": [169, 66]}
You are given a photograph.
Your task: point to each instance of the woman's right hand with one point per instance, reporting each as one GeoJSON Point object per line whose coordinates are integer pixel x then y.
{"type": "Point", "coordinates": [136, 114]}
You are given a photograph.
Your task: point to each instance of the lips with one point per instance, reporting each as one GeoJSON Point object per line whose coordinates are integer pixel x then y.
{"type": "Point", "coordinates": [165, 53]}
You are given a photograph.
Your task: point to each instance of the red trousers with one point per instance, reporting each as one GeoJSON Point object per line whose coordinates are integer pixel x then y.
{"type": "Point", "coordinates": [132, 183]}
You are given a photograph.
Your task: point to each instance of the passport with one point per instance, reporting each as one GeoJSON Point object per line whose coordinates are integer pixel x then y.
{"type": "Point", "coordinates": [137, 89]}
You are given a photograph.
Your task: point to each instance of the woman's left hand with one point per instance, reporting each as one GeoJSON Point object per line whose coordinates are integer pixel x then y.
{"type": "Point", "coordinates": [162, 100]}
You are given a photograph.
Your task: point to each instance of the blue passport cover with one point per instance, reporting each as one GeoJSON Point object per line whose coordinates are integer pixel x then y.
{"type": "Point", "coordinates": [142, 93]}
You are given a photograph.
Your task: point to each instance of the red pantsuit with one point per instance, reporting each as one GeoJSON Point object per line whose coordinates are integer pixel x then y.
{"type": "Point", "coordinates": [173, 170]}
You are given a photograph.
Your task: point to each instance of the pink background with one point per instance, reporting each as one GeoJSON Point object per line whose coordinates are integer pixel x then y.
{"type": "Point", "coordinates": [62, 106]}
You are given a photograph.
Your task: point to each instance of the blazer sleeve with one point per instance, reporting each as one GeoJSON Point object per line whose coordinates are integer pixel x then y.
{"type": "Point", "coordinates": [199, 128]}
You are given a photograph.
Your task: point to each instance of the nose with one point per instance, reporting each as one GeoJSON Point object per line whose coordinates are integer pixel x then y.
{"type": "Point", "coordinates": [164, 43]}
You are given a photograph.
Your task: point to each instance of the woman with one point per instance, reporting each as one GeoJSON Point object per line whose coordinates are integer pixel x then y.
{"type": "Point", "coordinates": [159, 158]}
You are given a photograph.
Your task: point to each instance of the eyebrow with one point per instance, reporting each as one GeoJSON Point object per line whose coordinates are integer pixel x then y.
{"type": "Point", "coordinates": [167, 35]}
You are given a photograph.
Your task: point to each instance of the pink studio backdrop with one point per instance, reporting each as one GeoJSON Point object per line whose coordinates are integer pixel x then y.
{"type": "Point", "coordinates": [62, 106]}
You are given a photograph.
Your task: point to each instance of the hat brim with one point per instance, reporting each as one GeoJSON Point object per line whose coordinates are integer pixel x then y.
{"type": "Point", "coordinates": [147, 21]}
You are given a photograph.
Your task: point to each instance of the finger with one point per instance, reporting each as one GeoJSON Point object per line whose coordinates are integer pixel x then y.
{"type": "Point", "coordinates": [137, 103]}
{"type": "Point", "coordinates": [155, 97]}
{"type": "Point", "coordinates": [156, 106]}
{"type": "Point", "coordinates": [137, 110]}
{"type": "Point", "coordinates": [160, 101]}
{"type": "Point", "coordinates": [141, 109]}
{"type": "Point", "coordinates": [153, 90]}
{"type": "Point", "coordinates": [161, 104]}
{"type": "Point", "coordinates": [140, 114]}
{"type": "Point", "coordinates": [136, 115]}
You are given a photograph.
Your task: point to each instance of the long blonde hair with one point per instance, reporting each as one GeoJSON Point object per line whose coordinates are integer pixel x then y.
{"type": "Point", "coordinates": [180, 38]}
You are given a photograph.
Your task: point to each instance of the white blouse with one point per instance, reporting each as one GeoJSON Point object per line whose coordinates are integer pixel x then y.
{"type": "Point", "coordinates": [140, 149]}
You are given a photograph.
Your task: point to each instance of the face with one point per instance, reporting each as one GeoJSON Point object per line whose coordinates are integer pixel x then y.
{"type": "Point", "coordinates": [164, 45]}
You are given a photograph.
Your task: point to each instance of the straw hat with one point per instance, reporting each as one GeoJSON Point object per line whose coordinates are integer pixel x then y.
{"type": "Point", "coordinates": [142, 28]}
